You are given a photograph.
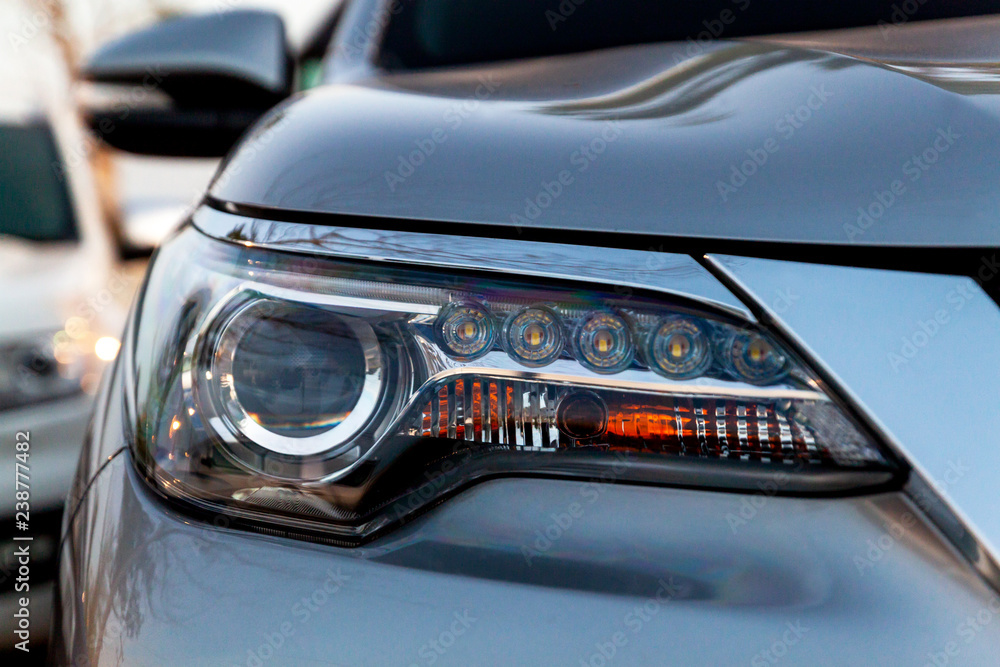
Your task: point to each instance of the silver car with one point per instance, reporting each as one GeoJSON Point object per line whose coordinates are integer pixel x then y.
{"type": "Point", "coordinates": [565, 334]}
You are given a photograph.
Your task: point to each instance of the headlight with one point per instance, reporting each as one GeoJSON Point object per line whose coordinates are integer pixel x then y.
{"type": "Point", "coordinates": [294, 379]}
{"type": "Point", "coordinates": [332, 396]}
{"type": "Point", "coordinates": [50, 365]}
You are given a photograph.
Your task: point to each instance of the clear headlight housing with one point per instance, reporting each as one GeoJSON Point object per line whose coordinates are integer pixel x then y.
{"type": "Point", "coordinates": [332, 397]}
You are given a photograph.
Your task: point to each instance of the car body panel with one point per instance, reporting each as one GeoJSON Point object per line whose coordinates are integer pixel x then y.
{"type": "Point", "coordinates": [919, 351]}
{"type": "Point", "coordinates": [646, 141]}
{"type": "Point", "coordinates": [531, 571]}
{"type": "Point", "coordinates": [468, 584]}
{"type": "Point", "coordinates": [957, 54]}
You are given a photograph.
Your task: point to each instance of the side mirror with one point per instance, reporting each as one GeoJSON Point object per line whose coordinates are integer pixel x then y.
{"type": "Point", "coordinates": [189, 86]}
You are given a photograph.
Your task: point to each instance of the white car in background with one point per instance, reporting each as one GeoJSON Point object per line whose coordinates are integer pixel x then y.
{"type": "Point", "coordinates": [64, 296]}
{"type": "Point", "coordinates": [64, 290]}
{"type": "Point", "coordinates": [63, 299]}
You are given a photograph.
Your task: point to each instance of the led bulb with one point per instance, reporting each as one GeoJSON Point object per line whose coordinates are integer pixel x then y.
{"type": "Point", "coordinates": [534, 336]}
{"type": "Point", "coordinates": [604, 342]}
{"type": "Point", "coordinates": [752, 358]}
{"type": "Point", "coordinates": [465, 330]}
{"type": "Point", "coordinates": [679, 348]}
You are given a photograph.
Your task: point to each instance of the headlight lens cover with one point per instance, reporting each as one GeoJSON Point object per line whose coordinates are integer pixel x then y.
{"type": "Point", "coordinates": [335, 397]}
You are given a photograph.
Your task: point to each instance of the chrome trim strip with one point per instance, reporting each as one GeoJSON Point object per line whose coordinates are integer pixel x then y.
{"type": "Point", "coordinates": [623, 269]}
{"type": "Point", "coordinates": [927, 495]}
{"type": "Point", "coordinates": [714, 388]}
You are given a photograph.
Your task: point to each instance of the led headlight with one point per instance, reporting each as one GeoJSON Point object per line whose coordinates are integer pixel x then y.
{"type": "Point", "coordinates": [534, 336]}
{"type": "Point", "coordinates": [753, 358]}
{"type": "Point", "coordinates": [679, 348]}
{"type": "Point", "coordinates": [604, 342]}
{"type": "Point", "coordinates": [465, 331]}
{"type": "Point", "coordinates": [335, 397]}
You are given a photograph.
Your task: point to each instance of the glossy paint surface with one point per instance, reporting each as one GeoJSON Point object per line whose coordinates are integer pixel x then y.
{"type": "Point", "coordinates": [743, 140]}
{"type": "Point", "coordinates": [193, 45]}
{"type": "Point", "coordinates": [476, 581]}
{"type": "Point", "coordinates": [920, 351]}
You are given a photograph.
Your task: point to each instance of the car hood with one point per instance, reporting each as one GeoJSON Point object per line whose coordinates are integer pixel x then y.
{"type": "Point", "coordinates": [752, 141]}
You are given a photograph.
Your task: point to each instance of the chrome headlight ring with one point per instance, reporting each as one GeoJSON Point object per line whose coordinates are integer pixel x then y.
{"type": "Point", "coordinates": [333, 448]}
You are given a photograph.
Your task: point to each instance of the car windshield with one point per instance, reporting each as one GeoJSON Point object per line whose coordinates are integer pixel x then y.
{"type": "Point", "coordinates": [433, 33]}
{"type": "Point", "coordinates": [34, 201]}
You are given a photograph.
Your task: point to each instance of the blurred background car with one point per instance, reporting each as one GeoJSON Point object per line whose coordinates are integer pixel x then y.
{"type": "Point", "coordinates": [72, 252]}
{"type": "Point", "coordinates": [63, 298]}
